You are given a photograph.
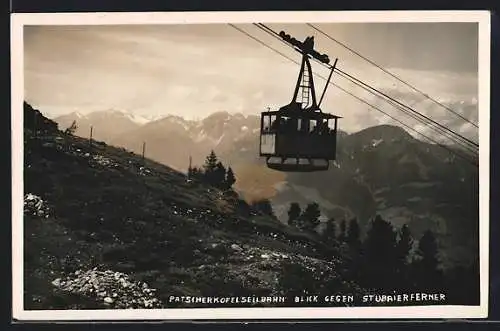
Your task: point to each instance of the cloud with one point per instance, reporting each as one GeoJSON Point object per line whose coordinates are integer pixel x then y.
{"type": "Point", "coordinates": [455, 91]}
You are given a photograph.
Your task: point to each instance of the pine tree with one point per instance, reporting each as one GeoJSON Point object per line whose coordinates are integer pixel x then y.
{"type": "Point", "coordinates": [330, 232]}
{"type": "Point", "coordinates": [353, 234]}
{"type": "Point", "coordinates": [405, 244]}
{"type": "Point", "coordinates": [196, 173]}
{"type": "Point", "coordinates": [210, 167]}
{"type": "Point", "coordinates": [428, 249]}
{"type": "Point", "coordinates": [264, 206]}
{"type": "Point", "coordinates": [211, 162]}
{"type": "Point", "coordinates": [294, 213]}
{"type": "Point", "coordinates": [310, 217]}
{"type": "Point", "coordinates": [380, 256]}
{"type": "Point", "coordinates": [429, 276]}
{"type": "Point", "coordinates": [342, 231]}
{"type": "Point", "coordinates": [219, 175]}
{"type": "Point", "coordinates": [403, 250]}
{"type": "Point", "coordinates": [230, 178]}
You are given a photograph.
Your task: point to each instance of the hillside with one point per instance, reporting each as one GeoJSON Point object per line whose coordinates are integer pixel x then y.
{"type": "Point", "coordinates": [381, 170]}
{"type": "Point", "coordinates": [105, 229]}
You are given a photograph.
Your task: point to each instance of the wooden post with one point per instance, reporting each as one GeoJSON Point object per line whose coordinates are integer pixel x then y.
{"type": "Point", "coordinates": [188, 176]}
{"type": "Point", "coordinates": [90, 137]}
{"type": "Point", "coordinates": [143, 150]}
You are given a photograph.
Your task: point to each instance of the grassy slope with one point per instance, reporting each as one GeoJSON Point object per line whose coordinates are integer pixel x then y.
{"type": "Point", "coordinates": [109, 210]}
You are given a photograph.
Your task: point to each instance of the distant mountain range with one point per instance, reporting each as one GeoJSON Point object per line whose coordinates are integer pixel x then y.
{"type": "Point", "coordinates": [379, 170]}
{"type": "Point", "coordinates": [100, 121]}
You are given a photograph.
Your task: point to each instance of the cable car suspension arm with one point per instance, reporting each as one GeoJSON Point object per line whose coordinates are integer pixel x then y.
{"type": "Point", "coordinates": [327, 82]}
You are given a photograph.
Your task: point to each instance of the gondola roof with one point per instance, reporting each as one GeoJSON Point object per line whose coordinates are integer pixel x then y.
{"type": "Point", "coordinates": [295, 111]}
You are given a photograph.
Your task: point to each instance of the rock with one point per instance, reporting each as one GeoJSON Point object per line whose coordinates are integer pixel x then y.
{"type": "Point", "coordinates": [56, 282]}
{"type": "Point", "coordinates": [236, 247]}
{"type": "Point", "coordinates": [108, 300]}
{"type": "Point", "coordinates": [264, 256]}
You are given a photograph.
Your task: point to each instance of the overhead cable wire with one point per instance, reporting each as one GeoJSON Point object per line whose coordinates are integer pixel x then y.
{"type": "Point", "coordinates": [409, 108]}
{"type": "Point", "coordinates": [451, 150]}
{"type": "Point", "coordinates": [262, 43]}
{"type": "Point", "coordinates": [442, 130]}
{"type": "Point", "coordinates": [392, 75]}
{"type": "Point", "coordinates": [472, 147]}
{"type": "Point", "coordinates": [466, 147]}
{"type": "Point", "coordinates": [402, 107]}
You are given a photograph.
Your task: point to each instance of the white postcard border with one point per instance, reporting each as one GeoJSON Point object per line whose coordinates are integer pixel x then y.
{"type": "Point", "coordinates": [18, 21]}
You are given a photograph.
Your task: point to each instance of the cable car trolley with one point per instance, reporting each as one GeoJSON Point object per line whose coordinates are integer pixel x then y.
{"type": "Point", "coordinates": [299, 137]}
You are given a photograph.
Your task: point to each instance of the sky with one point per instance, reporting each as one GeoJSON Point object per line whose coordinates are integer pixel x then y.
{"type": "Point", "coordinates": [193, 70]}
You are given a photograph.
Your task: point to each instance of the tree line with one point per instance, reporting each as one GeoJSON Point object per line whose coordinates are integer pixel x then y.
{"type": "Point", "coordinates": [384, 258]}
{"type": "Point", "coordinates": [213, 172]}
{"type": "Point", "coordinates": [390, 259]}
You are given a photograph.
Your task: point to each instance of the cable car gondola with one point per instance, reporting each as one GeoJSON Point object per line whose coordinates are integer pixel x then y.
{"type": "Point", "coordinates": [299, 137]}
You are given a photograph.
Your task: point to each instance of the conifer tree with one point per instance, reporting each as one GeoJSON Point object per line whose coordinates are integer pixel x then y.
{"type": "Point", "coordinates": [380, 256]}
{"type": "Point", "coordinates": [405, 244]}
{"type": "Point", "coordinates": [264, 206]}
{"type": "Point", "coordinates": [310, 217]}
{"type": "Point", "coordinates": [210, 167]}
{"type": "Point", "coordinates": [403, 250]}
{"type": "Point", "coordinates": [342, 231]}
{"type": "Point", "coordinates": [210, 162]}
{"type": "Point", "coordinates": [330, 232]}
{"type": "Point", "coordinates": [294, 213]}
{"type": "Point", "coordinates": [219, 175]}
{"type": "Point", "coordinates": [196, 173]}
{"type": "Point", "coordinates": [230, 178]}
{"type": "Point", "coordinates": [429, 276]}
{"type": "Point", "coordinates": [353, 234]}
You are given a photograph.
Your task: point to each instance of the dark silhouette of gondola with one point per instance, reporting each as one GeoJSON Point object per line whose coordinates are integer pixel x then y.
{"type": "Point", "coordinates": [299, 137]}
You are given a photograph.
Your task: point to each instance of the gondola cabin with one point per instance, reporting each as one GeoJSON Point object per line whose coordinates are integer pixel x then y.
{"type": "Point", "coordinates": [299, 137]}
{"type": "Point", "coordinates": [298, 141]}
